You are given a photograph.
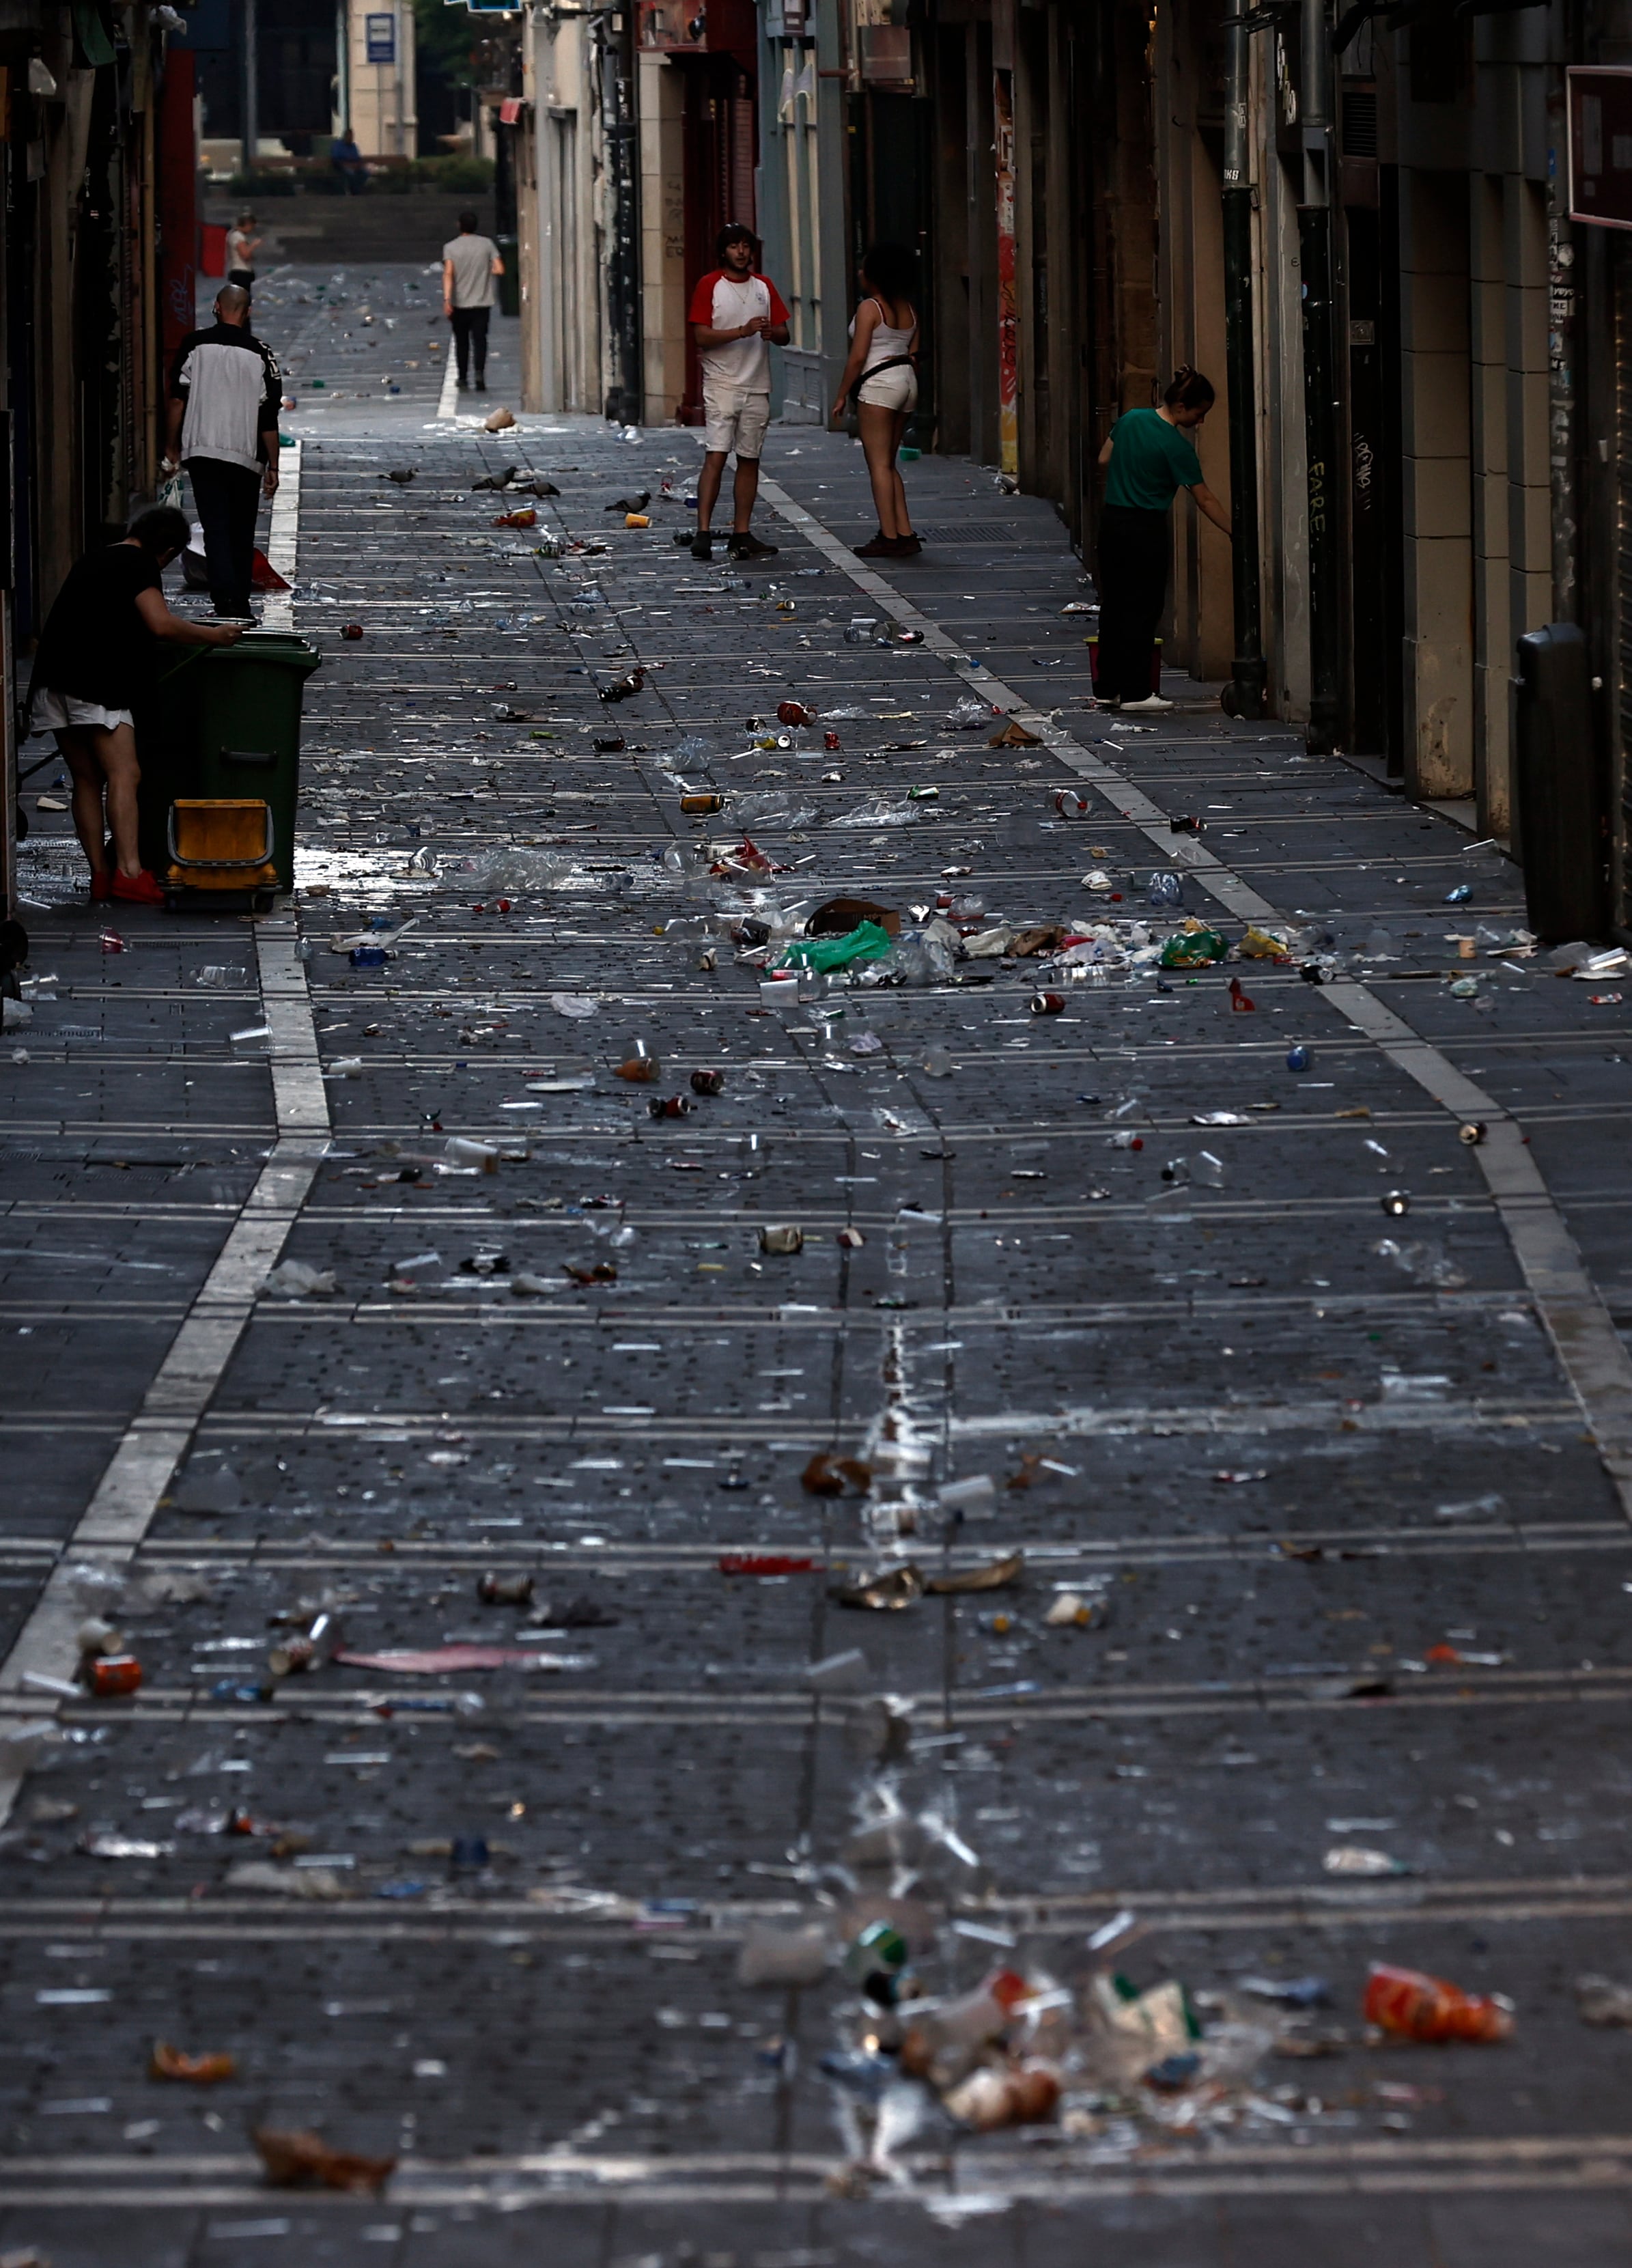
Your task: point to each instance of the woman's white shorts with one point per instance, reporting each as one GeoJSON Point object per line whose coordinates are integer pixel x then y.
{"type": "Point", "coordinates": [58, 712]}
{"type": "Point", "coordinates": [890, 389]}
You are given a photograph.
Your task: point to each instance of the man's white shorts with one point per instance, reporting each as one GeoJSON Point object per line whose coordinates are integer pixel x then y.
{"type": "Point", "coordinates": [734, 420]}
{"type": "Point", "coordinates": [56, 712]}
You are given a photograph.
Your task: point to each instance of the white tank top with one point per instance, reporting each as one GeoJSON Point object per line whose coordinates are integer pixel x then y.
{"type": "Point", "coordinates": [887, 341]}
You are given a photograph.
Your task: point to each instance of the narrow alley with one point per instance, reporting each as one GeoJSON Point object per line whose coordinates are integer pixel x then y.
{"type": "Point", "coordinates": [670, 1511]}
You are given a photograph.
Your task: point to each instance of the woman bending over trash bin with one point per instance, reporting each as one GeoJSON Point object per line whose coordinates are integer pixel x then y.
{"type": "Point", "coordinates": [94, 664]}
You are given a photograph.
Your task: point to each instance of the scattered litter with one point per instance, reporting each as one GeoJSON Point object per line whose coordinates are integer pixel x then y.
{"type": "Point", "coordinates": [1410, 2005]}
{"type": "Point", "coordinates": [1071, 1611]}
{"type": "Point", "coordinates": [770, 1955]}
{"type": "Point", "coordinates": [166, 2062]}
{"type": "Point", "coordinates": [1357, 1858]}
{"type": "Point", "coordinates": [317, 1885]}
{"type": "Point", "coordinates": [996, 1575]}
{"type": "Point", "coordinates": [1193, 946]}
{"type": "Point", "coordinates": [884, 1593]}
{"type": "Point", "coordinates": [828, 1475]}
{"type": "Point", "coordinates": [1600, 2001]}
{"type": "Point", "coordinates": [975, 1499]}
{"type": "Point", "coordinates": [294, 1279]}
{"type": "Point", "coordinates": [297, 2160]}
{"type": "Point", "coordinates": [429, 1662]}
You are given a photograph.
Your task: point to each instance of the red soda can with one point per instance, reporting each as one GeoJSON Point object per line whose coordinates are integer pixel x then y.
{"type": "Point", "coordinates": [1048, 1004]}
{"type": "Point", "coordinates": [793, 712]}
{"type": "Point", "coordinates": [708, 1082]}
{"type": "Point", "coordinates": [830, 740]}
{"type": "Point", "coordinates": [669, 1106]}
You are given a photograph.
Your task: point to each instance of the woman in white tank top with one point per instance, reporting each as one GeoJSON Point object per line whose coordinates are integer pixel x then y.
{"type": "Point", "coordinates": [881, 378]}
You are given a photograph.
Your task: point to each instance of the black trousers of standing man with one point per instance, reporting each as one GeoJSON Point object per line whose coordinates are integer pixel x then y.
{"type": "Point", "coordinates": [470, 329]}
{"type": "Point", "coordinates": [1134, 551]}
{"type": "Point", "coordinates": [228, 497]}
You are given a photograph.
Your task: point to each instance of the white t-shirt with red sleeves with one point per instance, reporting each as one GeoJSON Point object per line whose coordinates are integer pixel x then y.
{"type": "Point", "coordinates": [722, 302]}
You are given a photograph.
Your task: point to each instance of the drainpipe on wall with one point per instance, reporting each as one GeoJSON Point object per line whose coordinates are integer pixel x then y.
{"type": "Point", "coordinates": [252, 122]}
{"type": "Point", "coordinates": [1244, 696]}
{"type": "Point", "coordinates": [1315, 240]}
{"type": "Point", "coordinates": [619, 127]}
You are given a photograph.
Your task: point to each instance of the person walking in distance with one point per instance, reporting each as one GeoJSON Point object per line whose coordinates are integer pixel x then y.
{"type": "Point", "coordinates": [1150, 454]}
{"type": "Point", "coordinates": [348, 162]}
{"type": "Point", "coordinates": [737, 316]}
{"type": "Point", "coordinates": [880, 378]}
{"type": "Point", "coordinates": [225, 392]}
{"type": "Point", "coordinates": [469, 264]}
{"type": "Point", "coordinates": [93, 665]}
{"type": "Point", "coordinates": [242, 246]}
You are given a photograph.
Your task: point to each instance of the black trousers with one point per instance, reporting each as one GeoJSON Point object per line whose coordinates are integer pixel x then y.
{"type": "Point", "coordinates": [470, 329]}
{"type": "Point", "coordinates": [228, 497]}
{"type": "Point", "coordinates": [1134, 551]}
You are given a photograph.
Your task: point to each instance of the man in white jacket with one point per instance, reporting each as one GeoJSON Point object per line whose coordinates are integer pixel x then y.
{"type": "Point", "coordinates": [225, 392]}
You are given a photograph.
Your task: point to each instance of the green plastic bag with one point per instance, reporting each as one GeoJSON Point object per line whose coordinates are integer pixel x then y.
{"type": "Point", "coordinates": [1193, 948]}
{"type": "Point", "coordinates": [865, 942]}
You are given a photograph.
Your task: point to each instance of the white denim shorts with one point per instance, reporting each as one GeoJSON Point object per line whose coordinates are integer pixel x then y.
{"type": "Point", "coordinates": [890, 389]}
{"type": "Point", "coordinates": [57, 712]}
{"type": "Point", "coordinates": [734, 420]}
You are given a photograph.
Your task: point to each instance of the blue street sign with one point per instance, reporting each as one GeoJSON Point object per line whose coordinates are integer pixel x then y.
{"type": "Point", "coordinates": [379, 35]}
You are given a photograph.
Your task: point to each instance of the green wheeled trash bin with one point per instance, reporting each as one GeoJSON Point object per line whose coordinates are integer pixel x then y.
{"type": "Point", "coordinates": [225, 723]}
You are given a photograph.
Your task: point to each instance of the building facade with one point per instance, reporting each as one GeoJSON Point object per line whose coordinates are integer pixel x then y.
{"type": "Point", "coordinates": [97, 172]}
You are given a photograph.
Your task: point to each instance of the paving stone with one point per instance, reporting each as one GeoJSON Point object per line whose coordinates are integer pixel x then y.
{"type": "Point", "coordinates": [1291, 1443]}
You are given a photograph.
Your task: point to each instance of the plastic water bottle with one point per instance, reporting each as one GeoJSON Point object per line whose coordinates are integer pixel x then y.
{"type": "Point", "coordinates": [1165, 890]}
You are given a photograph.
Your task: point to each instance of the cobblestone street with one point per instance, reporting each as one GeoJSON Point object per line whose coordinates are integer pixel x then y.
{"type": "Point", "coordinates": [369, 1278]}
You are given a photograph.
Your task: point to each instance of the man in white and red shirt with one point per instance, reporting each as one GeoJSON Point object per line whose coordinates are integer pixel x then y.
{"type": "Point", "coordinates": [737, 317]}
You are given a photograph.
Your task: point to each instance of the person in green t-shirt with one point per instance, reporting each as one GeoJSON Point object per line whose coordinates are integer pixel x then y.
{"type": "Point", "coordinates": [1149, 455]}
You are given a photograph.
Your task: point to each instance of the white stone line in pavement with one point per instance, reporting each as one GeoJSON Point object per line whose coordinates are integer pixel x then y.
{"type": "Point", "coordinates": [1590, 1351]}
{"type": "Point", "coordinates": [121, 1508]}
{"type": "Point", "coordinates": [283, 541]}
{"type": "Point", "coordinates": [447, 400]}
{"type": "Point", "coordinates": [1504, 1414]}
{"type": "Point", "coordinates": [1480, 2167]}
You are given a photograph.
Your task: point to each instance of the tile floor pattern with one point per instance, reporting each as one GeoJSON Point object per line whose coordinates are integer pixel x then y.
{"type": "Point", "coordinates": [555, 2042]}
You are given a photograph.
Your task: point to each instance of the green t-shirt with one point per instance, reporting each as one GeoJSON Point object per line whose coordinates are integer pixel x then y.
{"type": "Point", "coordinates": [1149, 460]}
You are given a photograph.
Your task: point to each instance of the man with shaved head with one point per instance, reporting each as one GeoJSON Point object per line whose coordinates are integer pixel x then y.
{"type": "Point", "coordinates": [225, 392]}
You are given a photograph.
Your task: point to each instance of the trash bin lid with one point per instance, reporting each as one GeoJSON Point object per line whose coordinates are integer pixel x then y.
{"type": "Point", "coordinates": [284, 647]}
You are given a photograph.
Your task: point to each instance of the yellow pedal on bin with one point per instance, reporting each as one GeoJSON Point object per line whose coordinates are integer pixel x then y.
{"type": "Point", "coordinates": [221, 842]}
